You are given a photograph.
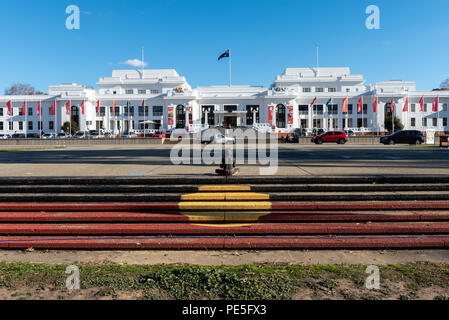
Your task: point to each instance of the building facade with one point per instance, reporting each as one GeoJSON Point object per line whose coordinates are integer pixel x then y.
{"type": "Point", "coordinates": [306, 98]}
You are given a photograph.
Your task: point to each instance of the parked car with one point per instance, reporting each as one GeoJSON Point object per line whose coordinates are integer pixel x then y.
{"type": "Point", "coordinates": [63, 135]}
{"type": "Point", "coordinates": [47, 136]}
{"type": "Point", "coordinates": [80, 135]}
{"type": "Point", "coordinates": [290, 139]}
{"type": "Point", "coordinates": [95, 134]}
{"type": "Point", "coordinates": [33, 135]}
{"type": "Point", "coordinates": [404, 136]}
{"type": "Point", "coordinates": [159, 134]}
{"type": "Point", "coordinates": [5, 136]}
{"type": "Point", "coordinates": [109, 135]}
{"type": "Point", "coordinates": [301, 132]}
{"type": "Point", "coordinates": [350, 133]}
{"type": "Point", "coordinates": [317, 132]}
{"type": "Point", "coordinates": [129, 134]}
{"type": "Point", "coordinates": [339, 137]}
{"type": "Point", "coordinates": [18, 136]}
{"type": "Point", "coordinates": [221, 139]}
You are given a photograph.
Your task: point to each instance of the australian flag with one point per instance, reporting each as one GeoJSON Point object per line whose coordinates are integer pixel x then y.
{"type": "Point", "coordinates": [224, 55]}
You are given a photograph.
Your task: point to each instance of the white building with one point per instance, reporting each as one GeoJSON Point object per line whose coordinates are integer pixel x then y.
{"type": "Point", "coordinates": [171, 103]}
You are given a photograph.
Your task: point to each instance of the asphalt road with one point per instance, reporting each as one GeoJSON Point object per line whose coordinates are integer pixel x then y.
{"type": "Point", "coordinates": [140, 160]}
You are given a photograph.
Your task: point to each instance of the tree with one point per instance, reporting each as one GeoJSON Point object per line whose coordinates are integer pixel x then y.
{"type": "Point", "coordinates": [397, 123]}
{"type": "Point", "coordinates": [445, 84]}
{"type": "Point", "coordinates": [66, 127]}
{"type": "Point", "coordinates": [20, 89]}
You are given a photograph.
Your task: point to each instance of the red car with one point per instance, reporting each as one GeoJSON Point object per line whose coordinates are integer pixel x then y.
{"type": "Point", "coordinates": [159, 134]}
{"type": "Point", "coordinates": [339, 137]}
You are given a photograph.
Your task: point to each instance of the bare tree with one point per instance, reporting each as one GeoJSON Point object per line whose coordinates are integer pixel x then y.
{"type": "Point", "coordinates": [445, 84]}
{"type": "Point", "coordinates": [20, 89]}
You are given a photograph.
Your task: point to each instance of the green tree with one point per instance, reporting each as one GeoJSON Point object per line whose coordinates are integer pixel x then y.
{"type": "Point", "coordinates": [66, 127]}
{"type": "Point", "coordinates": [397, 123]}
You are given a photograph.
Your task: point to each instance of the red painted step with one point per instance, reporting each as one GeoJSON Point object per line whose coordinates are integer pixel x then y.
{"type": "Point", "coordinates": [204, 229]}
{"type": "Point", "coordinates": [244, 243]}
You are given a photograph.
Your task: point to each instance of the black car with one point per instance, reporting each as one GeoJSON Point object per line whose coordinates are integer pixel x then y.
{"type": "Point", "coordinates": [18, 136]}
{"type": "Point", "coordinates": [405, 137]}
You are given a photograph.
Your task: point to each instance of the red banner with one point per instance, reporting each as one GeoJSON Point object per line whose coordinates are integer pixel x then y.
{"type": "Point", "coordinates": [38, 113]}
{"type": "Point", "coordinates": [375, 104]}
{"type": "Point", "coordinates": [67, 108]}
{"type": "Point", "coordinates": [24, 108]}
{"type": "Point", "coordinates": [435, 105]}
{"type": "Point", "coordinates": [8, 104]}
{"type": "Point", "coordinates": [405, 109]}
{"type": "Point", "coordinates": [270, 114]}
{"type": "Point", "coordinates": [98, 106]}
{"type": "Point", "coordinates": [421, 104]}
{"type": "Point", "coordinates": [345, 105]}
{"type": "Point", "coordinates": [82, 107]}
{"type": "Point", "coordinates": [53, 108]}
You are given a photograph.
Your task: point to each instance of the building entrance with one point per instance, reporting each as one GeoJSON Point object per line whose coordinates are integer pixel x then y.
{"type": "Point", "coordinates": [230, 121]}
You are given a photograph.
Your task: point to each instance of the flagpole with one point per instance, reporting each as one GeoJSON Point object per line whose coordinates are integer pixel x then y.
{"type": "Point", "coordinates": [230, 62]}
{"type": "Point", "coordinates": [26, 120]}
{"type": "Point", "coordinates": [40, 119]}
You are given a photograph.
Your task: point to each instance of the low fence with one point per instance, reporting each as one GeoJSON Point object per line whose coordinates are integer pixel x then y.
{"type": "Point", "coordinates": [70, 142]}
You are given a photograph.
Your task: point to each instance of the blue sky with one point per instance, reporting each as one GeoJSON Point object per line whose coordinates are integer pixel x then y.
{"type": "Point", "coordinates": [189, 35]}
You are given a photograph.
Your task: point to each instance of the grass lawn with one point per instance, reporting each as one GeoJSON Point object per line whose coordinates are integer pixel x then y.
{"type": "Point", "coordinates": [249, 282]}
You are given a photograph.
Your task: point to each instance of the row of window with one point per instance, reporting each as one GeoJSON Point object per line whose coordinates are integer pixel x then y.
{"type": "Point", "coordinates": [142, 91]}
{"type": "Point", "coordinates": [130, 111]}
{"type": "Point", "coordinates": [321, 90]}
{"type": "Point", "coordinates": [30, 127]}
{"type": "Point", "coordinates": [427, 122]}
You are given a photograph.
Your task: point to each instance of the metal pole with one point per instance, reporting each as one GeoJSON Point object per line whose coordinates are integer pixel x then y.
{"type": "Point", "coordinates": [230, 83]}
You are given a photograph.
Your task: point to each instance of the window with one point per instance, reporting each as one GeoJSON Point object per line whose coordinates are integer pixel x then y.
{"type": "Point", "coordinates": [11, 126]}
{"type": "Point", "coordinates": [129, 91]}
{"type": "Point", "coordinates": [306, 90]}
{"type": "Point", "coordinates": [51, 125]}
{"type": "Point", "coordinates": [30, 111]}
{"type": "Point", "coordinates": [154, 91]}
{"type": "Point", "coordinates": [362, 123]}
{"type": "Point", "coordinates": [425, 107]}
{"type": "Point", "coordinates": [435, 122]}
{"type": "Point", "coordinates": [348, 90]}
{"type": "Point", "coordinates": [333, 109]}
{"type": "Point", "coordinates": [116, 111]}
{"type": "Point", "coordinates": [349, 109]}
{"type": "Point", "coordinates": [39, 125]}
{"type": "Point", "coordinates": [20, 112]}
{"type": "Point", "coordinates": [141, 114]}
{"type": "Point", "coordinates": [332, 90]}
{"type": "Point", "coordinates": [142, 91]}
{"type": "Point", "coordinates": [180, 117]}
{"type": "Point", "coordinates": [1, 126]}
{"type": "Point", "coordinates": [280, 116]}
{"type": "Point", "coordinates": [157, 111]}
{"type": "Point", "coordinates": [250, 110]}
{"type": "Point", "coordinates": [210, 115]}
{"type": "Point", "coordinates": [318, 109]}
{"type": "Point", "coordinates": [424, 122]}
{"type": "Point", "coordinates": [303, 109]}
{"type": "Point", "coordinates": [20, 125]}
{"type": "Point", "coordinates": [413, 122]}
{"type": "Point", "coordinates": [30, 125]}
{"type": "Point", "coordinates": [444, 122]}
{"type": "Point", "coordinates": [1, 112]}
{"type": "Point", "coordinates": [128, 111]}
{"type": "Point", "coordinates": [413, 107]}
{"type": "Point", "coordinates": [230, 108]}
{"type": "Point", "coordinates": [319, 89]}
{"type": "Point", "coordinates": [444, 106]}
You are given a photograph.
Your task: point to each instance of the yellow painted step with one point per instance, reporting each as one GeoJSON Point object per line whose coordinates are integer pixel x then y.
{"type": "Point", "coordinates": [220, 196]}
{"type": "Point", "coordinates": [224, 205]}
{"type": "Point", "coordinates": [224, 188]}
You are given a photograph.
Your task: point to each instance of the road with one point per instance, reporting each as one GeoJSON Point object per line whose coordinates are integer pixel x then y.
{"type": "Point", "coordinates": [141, 160]}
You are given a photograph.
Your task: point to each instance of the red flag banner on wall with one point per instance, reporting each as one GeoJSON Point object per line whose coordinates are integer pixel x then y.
{"type": "Point", "coordinates": [421, 103]}
{"type": "Point", "coordinates": [114, 104]}
{"type": "Point", "coordinates": [435, 105]}
{"type": "Point", "coordinates": [98, 106]}
{"type": "Point", "coordinates": [290, 114]}
{"type": "Point", "coordinates": [405, 109]}
{"type": "Point", "coordinates": [24, 108]}
{"type": "Point", "coordinates": [270, 114]}
{"type": "Point", "coordinates": [67, 108]}
{"type": "Point", "coordinates": [375, 104]}
{"type": "Point", "coordinates": [313, 102]}
{"type": "Point", "coordinates": [8, 104]}
{"type": "Point", "coordinates": [82, 107]}
{"type": "Point", "coordinates": [360, 105]}
{"type": "Point", "coordinates": [392, 105]}
{"type": "Point", "coordinates": [345, 105]}
{"type": "Point", "coordinates": [38, 112]}
{"type": "Point", "coordinates": [53, 108]}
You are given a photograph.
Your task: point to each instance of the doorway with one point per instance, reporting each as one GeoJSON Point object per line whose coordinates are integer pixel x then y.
{"type": "Point", "coordinates": [230, 121]}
